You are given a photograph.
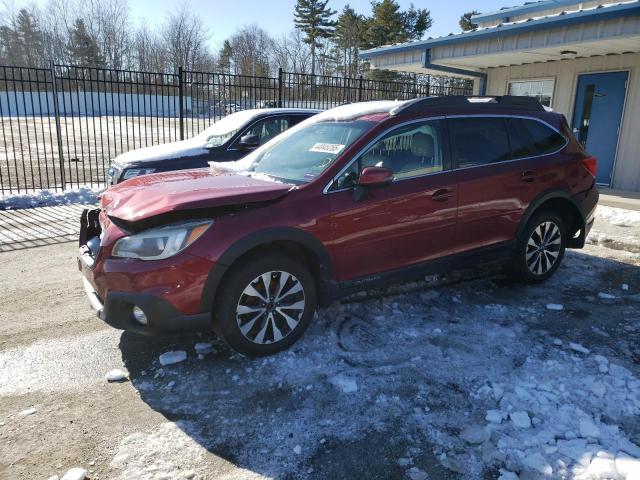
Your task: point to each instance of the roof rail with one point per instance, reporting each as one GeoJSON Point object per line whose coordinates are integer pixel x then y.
{"type": "Point", "coordinates": [499, 102]}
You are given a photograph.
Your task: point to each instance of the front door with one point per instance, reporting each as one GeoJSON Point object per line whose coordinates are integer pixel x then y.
{"type": "Point", "coordinates": [398, 225]}
{"type": "Point", "coordinates": [597, 117]}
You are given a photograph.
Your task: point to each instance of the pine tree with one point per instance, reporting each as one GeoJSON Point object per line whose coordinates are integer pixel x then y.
{"type": "Point", "coordinates": [349, 35]}
{"type": "Point", "coordinates": [83, 48]}
{"type": "Point", "coordinates": [313, 17]}
{"type": "Point", "coordinates": [388, 25]}
{"type": "Point", "coordinates": [224, 57]}
{"type": "Point", "coordinates": [29, 40]}
{"type": "Point", "coordinates": [465, 21]}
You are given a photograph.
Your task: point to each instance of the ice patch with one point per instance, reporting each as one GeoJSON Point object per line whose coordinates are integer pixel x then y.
{"type": "Point", "coordinates": [116, 375]}
{"type": "Point", "coordinates": [576, 347]}
{"type": "Point", "coordinates": [520, 419]}
{"type": "Point", "coordinates": [346, 384]}
{"type": "Point", "coordinates": [555, 307]}
{"type": "Point", "coordinates": [171, 357]}
{"type": "Point", "coordinates": [76, 473]}
{"type": "Point", "coordinates": [203, 348]}
{"type": "Point", "coordinates": [606, 296]}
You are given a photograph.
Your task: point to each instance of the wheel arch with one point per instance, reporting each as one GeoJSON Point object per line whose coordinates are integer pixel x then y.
{"type": "Point", "coordinates": [292, 240]}
{"type": "Point", "coordinates": [562, 202]}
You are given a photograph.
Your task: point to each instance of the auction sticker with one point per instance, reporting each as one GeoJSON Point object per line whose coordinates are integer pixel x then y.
{"type": "Point", "coordinates": [333, 148]}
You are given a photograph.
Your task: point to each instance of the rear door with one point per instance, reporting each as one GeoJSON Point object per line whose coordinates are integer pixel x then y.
{"type": "Point", "coordinates": [402, 224]}
{"type": "Point", "coordinates": [502, 164]}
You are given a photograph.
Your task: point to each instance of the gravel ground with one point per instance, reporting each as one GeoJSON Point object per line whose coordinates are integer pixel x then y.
{"type": "Point", "coordinates": [388, 384]}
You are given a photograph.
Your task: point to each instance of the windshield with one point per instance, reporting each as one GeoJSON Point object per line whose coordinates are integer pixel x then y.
{"type": "Point", "coordinates": [225, 128]}
{"type": "Point", "coordinates": [304, 153]}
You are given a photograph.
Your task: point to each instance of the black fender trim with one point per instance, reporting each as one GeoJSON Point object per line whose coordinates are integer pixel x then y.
{"type": "Point", "coordinates": [263, 238]}
{"type": "Point", "coordinates": [553, 195]}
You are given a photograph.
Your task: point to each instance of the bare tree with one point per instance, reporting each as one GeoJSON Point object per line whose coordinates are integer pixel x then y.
{"type": "Point", "coordinates": [250, 49]}
{"type": "Point", "coordinates": [109, 24]}
{"type": "Point", "coordinates": [186, 41]}
{"type": "Point", "coordinates": [291, 53]}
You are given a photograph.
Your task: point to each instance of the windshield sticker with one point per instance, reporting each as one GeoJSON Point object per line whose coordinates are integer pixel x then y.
{"type": "Point", "coordinates": [333, 148]}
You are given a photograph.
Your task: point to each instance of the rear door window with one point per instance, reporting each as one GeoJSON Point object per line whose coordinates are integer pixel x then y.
{"type": "Point", "coordinates": [478, 141]}
{"type": "Point", "coordinates": [531, 138]}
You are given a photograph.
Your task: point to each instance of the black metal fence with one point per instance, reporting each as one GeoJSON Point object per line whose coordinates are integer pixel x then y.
{"type": "Point", "coordinates": [60, 127]}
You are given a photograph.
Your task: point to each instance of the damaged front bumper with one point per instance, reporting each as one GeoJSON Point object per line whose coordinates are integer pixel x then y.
{"type": "Point", "coordinates": [117, 307]}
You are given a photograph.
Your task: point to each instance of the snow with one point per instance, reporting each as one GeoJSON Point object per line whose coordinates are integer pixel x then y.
{"type": "Point", "coordinates": [555, 307]}
{"type": "Point", "coordinates": [494, 416]}
{"type": "Point", "coordinates": [184, 148]}
{"type": "Point", "coordinates": [297, 449]}
{"type": "Point", "coordinates": [28, 411]}
{"type": "Point", "coordinates": [203, 348]}
{"type": "Point", "coordinates": [618, 216]}
{"type": "Point", "coordinates": [588, 429]}
{"type": "Point", "coordinates": [520, 419]}
{"type": "Point", "coordinates": [606, 296]}
{"type": "Point", "coordinates": [624, 287]}
{"type": "Point", "coordinates": [576, 347]}
{"type": "Point", "coordinates": [39, 198]}
{"type": "Point", "coordinates": [475, 434]}
{"type": "Point", "coordinates": [75, 473]}
{"type": "Point", "coordinates": [346, 384]}
{"type": "Point", "coordinates": [116, 375]}
{"type": "Point", "coordinates": [171, 357]}
{"type": "Point", "coordinates": [415, 473]}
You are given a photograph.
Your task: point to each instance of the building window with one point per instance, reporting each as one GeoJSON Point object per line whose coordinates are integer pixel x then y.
{"type": "Point", "coordinates": [541, 89]}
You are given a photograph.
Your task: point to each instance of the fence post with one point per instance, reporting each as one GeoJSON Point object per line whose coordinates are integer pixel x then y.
{"type": "Point", "coordinates": [279, 87]}
{"type": "Point", "coordinates": [181, 100]}
{"type": "Point", "coordinates": [360, 87]}
{"type": "Point", "coordinates": [56, 112]}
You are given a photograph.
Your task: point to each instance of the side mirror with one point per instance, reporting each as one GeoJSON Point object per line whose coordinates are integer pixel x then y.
{"type": "Point", "coordinates": [375, 177]}
{"type": "Point", "coordinates": [371, 177]}
{"type": "Point", "coordinates": [249, 141]}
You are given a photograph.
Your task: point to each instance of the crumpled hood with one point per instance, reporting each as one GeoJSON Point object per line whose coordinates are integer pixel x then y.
{"type": "Point", "coordinates": [156, 194]}
{"type": "Point", "coordinates": [185, 148]}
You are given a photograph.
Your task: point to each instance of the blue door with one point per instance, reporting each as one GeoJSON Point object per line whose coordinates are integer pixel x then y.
{"type": "Point", "coordinates": [597, 117]}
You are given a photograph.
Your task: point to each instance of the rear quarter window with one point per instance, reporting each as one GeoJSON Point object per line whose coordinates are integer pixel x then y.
{"type": "Point", "coordinates": [531, 138]}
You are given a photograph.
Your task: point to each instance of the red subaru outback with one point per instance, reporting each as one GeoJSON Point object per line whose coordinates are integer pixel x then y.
{"type": "Point", "coordinates": [354, 197]}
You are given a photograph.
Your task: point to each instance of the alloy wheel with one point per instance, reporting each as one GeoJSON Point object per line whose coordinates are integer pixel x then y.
{"type": "Point", "coordinates": [543, 248]}
{"type": "Point", "coordinates": [270, 307]}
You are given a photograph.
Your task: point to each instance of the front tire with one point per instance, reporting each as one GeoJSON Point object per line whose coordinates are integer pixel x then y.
{"type": "Point", "coordinates": [265, 304]}
{"type": "Point", "coordinates": [540, 248]}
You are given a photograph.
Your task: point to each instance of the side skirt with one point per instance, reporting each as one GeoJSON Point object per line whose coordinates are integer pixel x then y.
{"type": "Point", "coordinates": [479, 256]}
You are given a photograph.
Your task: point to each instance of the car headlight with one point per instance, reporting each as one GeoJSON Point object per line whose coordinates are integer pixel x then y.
{"type": "Point", "coordinates": [160, 243]}
{"type": "Point", "coordinates": [134, 172]}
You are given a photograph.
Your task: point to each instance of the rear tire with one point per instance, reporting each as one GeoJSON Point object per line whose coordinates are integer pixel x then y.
{"type": "Point", "coordinates": [540, 248]}
{"type": "Point", "coordinates": [265, 304]}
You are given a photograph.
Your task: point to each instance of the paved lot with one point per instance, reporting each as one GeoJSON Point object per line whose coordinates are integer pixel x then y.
{"type": "Point", "coordinates": [389, 384]}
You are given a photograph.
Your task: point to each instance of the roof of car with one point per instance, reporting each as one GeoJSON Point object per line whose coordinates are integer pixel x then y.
{"type": "Point", "coordinates": [261, 111]}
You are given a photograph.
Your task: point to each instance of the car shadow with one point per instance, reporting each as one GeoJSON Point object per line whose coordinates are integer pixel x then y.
{"type": "Point", "coordinates": [383, 385]}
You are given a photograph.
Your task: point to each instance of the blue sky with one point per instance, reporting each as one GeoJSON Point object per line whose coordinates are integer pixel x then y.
{"type": "Point", "coordinates": [222, 17]}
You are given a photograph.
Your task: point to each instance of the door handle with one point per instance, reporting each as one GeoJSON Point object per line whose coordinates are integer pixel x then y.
{"type": "Point", "coordinates": [442, 195]}
{"type": "Point", "coordinates": [528, 176]}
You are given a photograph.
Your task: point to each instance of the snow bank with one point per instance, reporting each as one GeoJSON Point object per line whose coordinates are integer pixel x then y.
{"type": "Point", "coordinates": [48, 198]}
{"type": "Point", "coordinates": [618, 216]}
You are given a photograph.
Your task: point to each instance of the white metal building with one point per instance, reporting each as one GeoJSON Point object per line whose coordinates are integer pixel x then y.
{"type": "Point", "coordinates": [580, 58]}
